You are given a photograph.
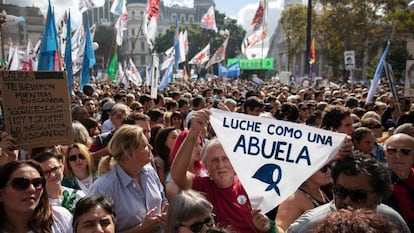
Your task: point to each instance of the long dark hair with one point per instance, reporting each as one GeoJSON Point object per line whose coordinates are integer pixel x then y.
{"type": "Point", "coordinates": [41, 220]}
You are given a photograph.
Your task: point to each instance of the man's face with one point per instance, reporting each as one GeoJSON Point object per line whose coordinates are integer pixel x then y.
{"type": "Point", "coordinates": [117, 118]}
{"type": "Point", "coordinates": [219, 166]}
{"type": "Point", "coordinates": [346, 126]}
{"type": "Point", "coordinates": [399, 151]}
{"type": "Point", "coordinates": [355, 192]}
{"type": "Point", "coordinates": [145, 125]}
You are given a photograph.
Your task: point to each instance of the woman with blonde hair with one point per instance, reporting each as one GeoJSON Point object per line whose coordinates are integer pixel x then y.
{"type": "Point", "coordinates": [132, 183]}
{"type": "Point", "coordinates": [79, 170]}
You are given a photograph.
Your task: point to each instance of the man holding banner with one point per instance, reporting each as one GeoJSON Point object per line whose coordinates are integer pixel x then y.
{"type": "Point", "coordinates": [223, 189]}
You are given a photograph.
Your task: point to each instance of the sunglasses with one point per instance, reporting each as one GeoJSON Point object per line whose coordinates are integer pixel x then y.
{"type": "Point", "coordinates": [73, 158]}
{"type": "Point", "coordinates": [196, 227]}
{"type": "Point", "coordinates": [393, 151]}
{"type": "Point", "coordinates": [53, 170]}
{"type": "Point", "coordinates": [324, 169]}
{"type": "Point", "coordinates": [21, 183]}
{"type": "Point", "coordinates": [355, 196]}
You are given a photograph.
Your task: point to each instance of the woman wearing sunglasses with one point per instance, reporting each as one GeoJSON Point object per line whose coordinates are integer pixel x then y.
{"type": "Point", "coordinates": [79, 170]}
{"type": "Point", "coordinates": [308, 196]}
{"type": "Point", "coordinates": [188, 212]}
{"type": "Point", "coordinates": [24, 205]}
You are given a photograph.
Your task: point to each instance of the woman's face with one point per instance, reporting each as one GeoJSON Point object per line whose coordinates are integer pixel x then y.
{"type": "Point", "coordinates": [197, 224]}
{"type": "Point", "coordinates": [18, 199]}
{"type": "Point", "coordinates": [77, 162]}
{"type": "Point", "coordinates": [321, 177]}
{"type": "Point", "coordinates": [142, 155]}
{"type": "Point", "coordinates": [176, 122]}
{"type": "Point", "coordinates": [366, 144]}
{"type": "Point", "coordinates": [172, 136]}
{"type": "Point", "coordinates": [196, 155]}
{"type": "Point", "coordinates": [53, 170]}
{"type": "Point", "coordinates": [95, 220]}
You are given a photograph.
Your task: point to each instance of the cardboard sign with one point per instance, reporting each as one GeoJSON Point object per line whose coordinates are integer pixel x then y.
{"type": "Point", "coordinates": [36, 108]}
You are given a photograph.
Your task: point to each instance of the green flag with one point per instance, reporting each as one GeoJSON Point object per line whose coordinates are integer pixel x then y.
{"type": "Point", "coordinates": [113, 68]}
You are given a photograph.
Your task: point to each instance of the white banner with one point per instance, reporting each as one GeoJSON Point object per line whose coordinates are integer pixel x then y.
{"type": "Point", "coordinates": [272, 158]}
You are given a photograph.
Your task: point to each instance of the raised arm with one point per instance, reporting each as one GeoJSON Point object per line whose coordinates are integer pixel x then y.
{"type": "Point", "coordinates": [182, 177]}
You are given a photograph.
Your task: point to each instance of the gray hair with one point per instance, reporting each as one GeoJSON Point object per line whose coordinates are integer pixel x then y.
{"type": "Point", "coordinates": [185, 206]}
{"type": "Point", "coordinates": [206, 147]}
{"type": "Point", "coordinates": [81, 134]}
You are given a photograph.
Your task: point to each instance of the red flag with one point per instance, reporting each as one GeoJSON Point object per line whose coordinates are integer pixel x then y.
{"type": "Point", "coordinates": [258, 29]}
{"type": "Point", "coordinates": [219, 55]}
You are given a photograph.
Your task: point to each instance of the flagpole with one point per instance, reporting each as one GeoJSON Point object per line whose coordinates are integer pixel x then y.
{"type": "Point", "coordinates": [135, 41]}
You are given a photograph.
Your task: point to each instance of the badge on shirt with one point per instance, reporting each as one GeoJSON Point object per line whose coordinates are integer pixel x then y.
{"type": "Point", "coordinates": [242, 199]}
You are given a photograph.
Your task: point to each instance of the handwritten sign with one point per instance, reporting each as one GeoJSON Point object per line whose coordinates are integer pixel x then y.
{"type": "Point", "coordinates": [36, 108]}
{"type": "Point", "coordinates": [272, 158]}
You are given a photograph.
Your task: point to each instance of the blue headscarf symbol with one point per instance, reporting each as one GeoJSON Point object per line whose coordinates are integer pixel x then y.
{"type": "Point", "coordinates": [266, 174]}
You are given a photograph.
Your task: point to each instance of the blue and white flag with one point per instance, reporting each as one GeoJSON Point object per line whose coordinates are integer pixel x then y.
{"type": "Point", "coordinates": [377, 76]}
{"type": "Point", "coordinates": [166, 77]}
{"type": "Point", "coordinates": [273, 158]}
{"type": "Point", "coordinates": [229, 71]}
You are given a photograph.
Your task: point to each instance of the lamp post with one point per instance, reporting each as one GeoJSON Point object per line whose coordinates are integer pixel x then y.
{"type": "Point", "coordinates": [288, 52]}
{"type": "Point", "coordinates": [3, 15]}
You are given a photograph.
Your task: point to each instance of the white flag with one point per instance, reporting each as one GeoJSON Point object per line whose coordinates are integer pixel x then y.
{"type": "Point", "coordinates": [150, 21]}
{"type": "Point", "coordinates": [202, 56]}
{"type": "Point", "coordinates": [258, 28]}
{"type": "Point", "coordinates": [209, 20]}
{"type": "Point", "coordinates": [121, 24]}
{"type": "Point", "coordinates": [219, 55]}
{"type": "Point", "coordinates": [182, 41]}
{"type": "Point", "coordinates": [13, 59]}
{"type": "Point", "coordinates": [135, 76]}
{"type": "Point", "coordinates": [90, 4]}
{"type": "Point", "coordinates": [272, 158]}
{"type": "Point", "coordinates": [116, 7]}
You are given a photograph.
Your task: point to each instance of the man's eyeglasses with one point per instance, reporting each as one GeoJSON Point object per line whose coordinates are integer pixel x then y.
{"type": "Point", "coordinates": [73, 158]}
{"type": "Point", "coordinates": [21, 183]}
{"type": "Point", "coordinates": [197, 226]}
{"type": "Point", "coordinates": [324, 169]}
{"type": "Point", "coordinates": [393, 151]}
{"type": "Point", "coordinates": [53, 170]}
{"type": "Point", "coordinates": [355, 196]}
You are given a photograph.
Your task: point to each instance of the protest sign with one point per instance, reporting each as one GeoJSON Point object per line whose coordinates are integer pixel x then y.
{"type": "Point", "coordinates": [36, 108]}
{"type": "Point", "coordinates": [272, 158]}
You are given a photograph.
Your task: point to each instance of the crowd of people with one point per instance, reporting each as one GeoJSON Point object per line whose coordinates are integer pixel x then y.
{"type": "Point", "coordinates": [142, 164]}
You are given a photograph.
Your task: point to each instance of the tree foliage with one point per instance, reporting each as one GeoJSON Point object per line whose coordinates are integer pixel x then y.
{"type": "Point", "coordinates": [104, 36]}
{"type": "Point", "coordinates": [359, 25]}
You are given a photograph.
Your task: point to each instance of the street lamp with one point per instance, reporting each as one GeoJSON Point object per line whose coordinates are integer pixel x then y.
{"type": "Point", "coordinates": [3, 15]}
{"type": "Point", "coordinates": [288, 47]}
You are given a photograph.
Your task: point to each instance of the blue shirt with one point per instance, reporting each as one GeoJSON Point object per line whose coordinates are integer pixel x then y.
{"type": "Point", "coordinates": [131, 200]}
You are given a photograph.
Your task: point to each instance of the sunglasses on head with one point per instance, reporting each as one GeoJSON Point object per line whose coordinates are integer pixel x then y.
{"type": "Point", "coordinates": [355, 196]}
{"type": "Point", "coordinates": [197, 226]}
{"type": "Point", "coordinates": [21, 183]}
{"type": "Point", "coordinates": [393, 151]}
{"type": "Point", "coordinates": [324, 169]}
{"type": "Point", "coordinates": [73, 158]}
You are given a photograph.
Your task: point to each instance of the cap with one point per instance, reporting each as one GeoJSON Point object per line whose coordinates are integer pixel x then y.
{"type": "Point", "coordinates": [108, 105]}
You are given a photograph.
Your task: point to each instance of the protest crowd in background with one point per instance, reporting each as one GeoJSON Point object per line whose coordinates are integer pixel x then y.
{"type": "Point", "coordinates": [128, 172]}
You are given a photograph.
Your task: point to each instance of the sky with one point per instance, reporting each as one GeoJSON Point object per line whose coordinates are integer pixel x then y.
{"type": "Point", "coordinates": [242, 10]}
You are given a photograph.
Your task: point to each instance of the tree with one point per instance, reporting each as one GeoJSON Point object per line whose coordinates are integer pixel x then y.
{"type": "Point", "coordinates": [104, 36]}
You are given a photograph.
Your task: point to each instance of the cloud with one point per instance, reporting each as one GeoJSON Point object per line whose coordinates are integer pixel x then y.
{"type": "Point", "coordinates": [246, 15]}
{"type": "Point", "coordinates": [59, 6]}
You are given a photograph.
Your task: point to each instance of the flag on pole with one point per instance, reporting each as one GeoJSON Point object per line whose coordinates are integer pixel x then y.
{"type": "Point", "coordinates": [167, 77]}
{"type": "Point", "coordinates": [68, 55]}
{"type": "Point", "coordinates": [377, 76]}
{"type": "Point", "coordinates": [49, 44]}
{"type": "Point", "coordinates": [27, 63]}
{"type": "Point", "coordinates": [209, 20]}
{"type": "Point", "coordinates": [258, 28]}
{"type": "Point", "coordinates": [312, 54]}
{"type": "Point", "coordinates": [116, 7]}
{"type": "Point", "coordinates": [179, 3]}
{"type": "Point", "coordinates": [177, 44]}
{"type": "Point", "coordinates": [121, 24]}
{"type": "Point", "coordinates": [183, 42]}
{"type": "Point", "coordinates": [113, 68]}
{"type": "Point", "coordinates": [88, 56]}
{"type": "Point", "coordinates": [13, 59]}
{"type": "Point", "coordinates": [219, 55]}
{"type": "Point", "coordinates": [135, 76]}
{"type": "Point", "coordinates": [85, 5]}
{"type": "Point", "coordinates": [202, 56]}
{"type": "Point", "coordinates": [150, 21]}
